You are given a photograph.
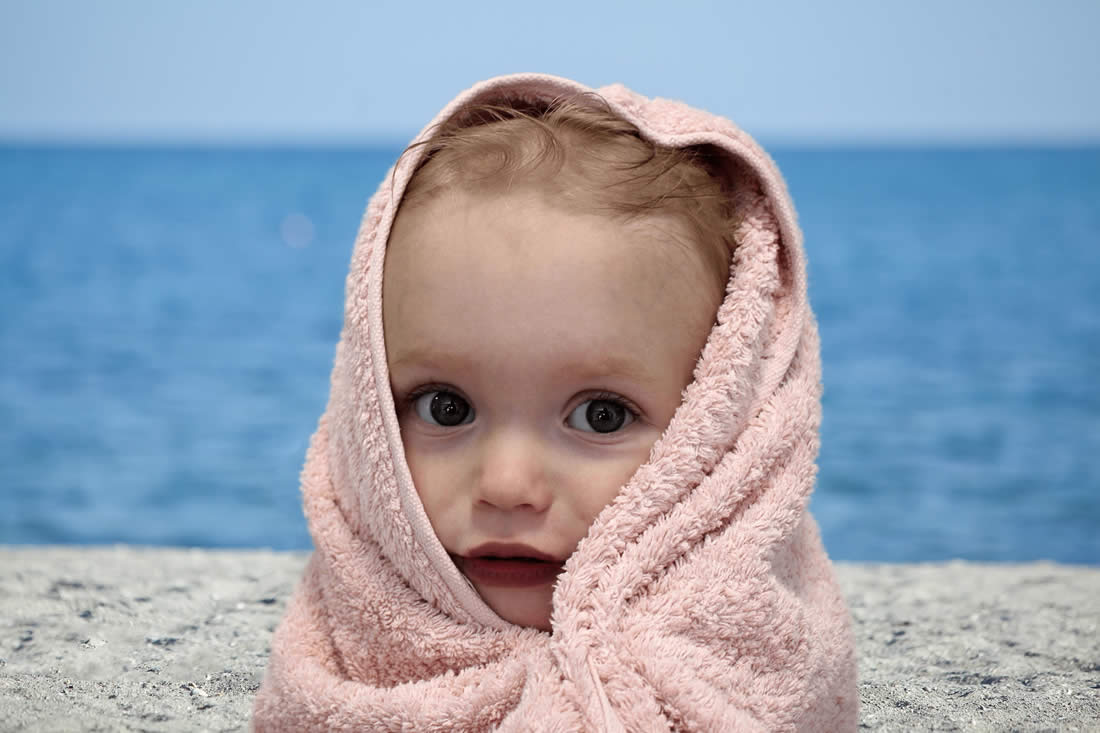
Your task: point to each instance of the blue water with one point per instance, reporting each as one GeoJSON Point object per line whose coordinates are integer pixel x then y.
{"type": "Point", "coordinates": [168, 318]}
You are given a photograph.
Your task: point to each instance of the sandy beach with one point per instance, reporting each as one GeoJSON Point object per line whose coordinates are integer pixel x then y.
{"type": "Point", "coordinates": [136, 639]}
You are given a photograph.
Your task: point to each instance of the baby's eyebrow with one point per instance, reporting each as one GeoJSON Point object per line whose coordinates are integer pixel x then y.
{"type": "Point", "coordinates": [576, 366]}
{"type": "Point", "coordinates": [605, 365]}
{"type": "Point", "coordinates": [421, 356]}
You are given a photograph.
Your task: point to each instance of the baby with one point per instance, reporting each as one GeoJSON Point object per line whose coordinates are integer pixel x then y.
{"type": "Point", "coordinates": [549, 283]}
{"type": "Point", "coordinates": [561, 481]}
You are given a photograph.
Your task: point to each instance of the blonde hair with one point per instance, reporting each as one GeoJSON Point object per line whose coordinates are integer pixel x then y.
{"type": "Point", "coordinates": [587, 158]}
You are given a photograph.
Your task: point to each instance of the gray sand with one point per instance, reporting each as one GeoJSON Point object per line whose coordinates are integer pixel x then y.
{"type": "Point", "coordinates": [135, 639]}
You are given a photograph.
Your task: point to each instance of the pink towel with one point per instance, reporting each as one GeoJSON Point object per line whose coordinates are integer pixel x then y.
{"type": "Point", "coordinates": [701, 598]}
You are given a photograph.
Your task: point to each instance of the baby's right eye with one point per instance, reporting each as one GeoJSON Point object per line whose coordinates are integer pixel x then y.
{"type": "Point", "coordinates": [443, 408]}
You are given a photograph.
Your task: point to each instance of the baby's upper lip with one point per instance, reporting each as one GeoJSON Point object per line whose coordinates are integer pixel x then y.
{"type": "Point", "coordinates": [511, 549]}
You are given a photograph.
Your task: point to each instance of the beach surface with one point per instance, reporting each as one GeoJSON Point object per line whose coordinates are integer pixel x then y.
{"type": "Point", "coordinates": [137, 639]}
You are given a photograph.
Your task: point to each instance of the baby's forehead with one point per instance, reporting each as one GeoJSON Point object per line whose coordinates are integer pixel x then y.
{"type": "Point", "coordinates": [529, 224]}
{"type": "Point", "coordinates": [509, 277]}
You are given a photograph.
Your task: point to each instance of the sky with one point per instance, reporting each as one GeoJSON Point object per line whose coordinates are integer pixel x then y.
{"type": "Point", "coordinates": [352, 71]}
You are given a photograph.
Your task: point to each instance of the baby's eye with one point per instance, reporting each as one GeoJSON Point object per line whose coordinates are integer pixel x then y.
{"type": "Point", "coordinates": [600, 416]}
{"type": "Point", "coordinates": [440, 407]}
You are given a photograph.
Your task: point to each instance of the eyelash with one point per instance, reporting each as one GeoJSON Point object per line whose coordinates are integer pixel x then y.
{"type": "Point", "coordinates": [616, 399]}
{"type": "Point", "coordinates": [410, 399]}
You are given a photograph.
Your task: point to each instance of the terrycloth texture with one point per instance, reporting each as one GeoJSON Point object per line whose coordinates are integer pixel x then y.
{"type": "Point", "coordinates": [701, 598]}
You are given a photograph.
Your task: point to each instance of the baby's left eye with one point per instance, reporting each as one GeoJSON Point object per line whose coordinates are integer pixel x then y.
{"type": "Point", "coordinates": [600, 416]}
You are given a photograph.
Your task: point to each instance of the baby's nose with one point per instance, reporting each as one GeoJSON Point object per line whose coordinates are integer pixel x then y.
{"type": "Point", "coordinates": [512, 473]}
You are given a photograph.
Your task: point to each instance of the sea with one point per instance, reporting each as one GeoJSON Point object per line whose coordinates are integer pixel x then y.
{"type": "Point", "coordinates": [168, 317]}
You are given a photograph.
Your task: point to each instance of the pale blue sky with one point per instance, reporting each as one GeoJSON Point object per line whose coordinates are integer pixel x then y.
{"type": "Point", "coordinates": [344, 71]}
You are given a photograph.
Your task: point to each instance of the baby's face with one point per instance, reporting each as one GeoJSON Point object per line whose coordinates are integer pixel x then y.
{"type": "Point", "coordinates": [535, 356]}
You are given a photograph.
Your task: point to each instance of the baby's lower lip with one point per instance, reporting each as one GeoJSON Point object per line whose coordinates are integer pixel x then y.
{"type": "Point", "coordinates": [509, 572]}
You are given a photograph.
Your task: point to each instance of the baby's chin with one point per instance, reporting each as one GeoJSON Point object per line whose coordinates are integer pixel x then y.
{"type": "Point", "coordinates": [529, 607]}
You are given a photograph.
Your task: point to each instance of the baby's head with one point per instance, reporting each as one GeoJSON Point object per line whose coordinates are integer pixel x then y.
{"type": "Point", "coordinates": [550, 281]}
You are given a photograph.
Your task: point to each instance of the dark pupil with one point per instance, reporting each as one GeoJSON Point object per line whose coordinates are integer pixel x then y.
{"type": "Point", "coordinates": [449, 409]}
{"type": "Point", "coordinates": [605, 417]}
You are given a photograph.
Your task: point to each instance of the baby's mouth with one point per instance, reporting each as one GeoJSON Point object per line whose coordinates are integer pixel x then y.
{"type": "Point", "coordinates": [515, 566]}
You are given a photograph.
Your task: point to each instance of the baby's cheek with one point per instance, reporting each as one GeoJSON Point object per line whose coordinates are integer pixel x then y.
{"type": "Point", "coordinates": [605, 482]}
{"type": "Point", "coordinates": [433, 479]}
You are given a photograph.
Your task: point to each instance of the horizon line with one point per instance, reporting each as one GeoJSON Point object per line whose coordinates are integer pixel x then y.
{"type": "Point", "coordinates": [392, 142]}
